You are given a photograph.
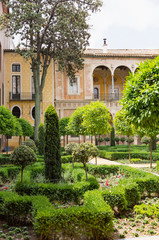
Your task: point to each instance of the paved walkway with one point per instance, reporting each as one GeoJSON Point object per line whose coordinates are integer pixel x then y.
{"type": "Point", "coordinates": [102, 161]}
{"type": "Point", "coordinates": [142, 238]}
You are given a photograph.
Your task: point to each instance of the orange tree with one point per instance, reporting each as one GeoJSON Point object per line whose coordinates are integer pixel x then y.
{"type": "Point", "coordinates": [141, 99]}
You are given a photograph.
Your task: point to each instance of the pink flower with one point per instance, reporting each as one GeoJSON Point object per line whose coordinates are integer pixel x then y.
{"type": "Point", "coordinates": [107, 184]}
{"type": "Point", "coordinates": [116, 182]}
{"type": "Point", "coordinates": [6, 188]}
{"type": "Point", "coordinates": [123, 173]}
{"type": "Point", "coordinates": [119, 176]}
{"type": "Point", "coordinates": [106, 181]}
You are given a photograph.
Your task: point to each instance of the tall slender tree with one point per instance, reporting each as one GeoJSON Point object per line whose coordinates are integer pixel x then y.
{"type": "Point", "coordinates": [49, 29]}
{"type": "Point", "coordinates": [52, 146]}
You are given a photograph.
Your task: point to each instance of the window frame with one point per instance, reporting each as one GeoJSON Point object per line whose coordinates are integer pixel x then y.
{"type": "Point", "coordinates": [16, 65]}
{"type": "Point", "coordinates": [78, 86]}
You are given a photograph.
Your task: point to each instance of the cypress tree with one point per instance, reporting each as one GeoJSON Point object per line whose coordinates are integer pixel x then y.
{"type": "Point", "coordinates": [52, 146]}
{"type": "Point", "coordinates": [112, 140]}
{"type": "Point", "coordinates": [41, 139]}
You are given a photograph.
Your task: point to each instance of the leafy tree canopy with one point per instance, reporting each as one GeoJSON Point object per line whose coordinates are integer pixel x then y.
{"type": "Point", "coordinates": [49, 29]}
{"type": "Point", "coordinates": [122, 125]}
{"type": "Point", "coordinates": [27, 129]}
{"type": "Point", "coordinates": [18, 129]}
{"type": "Point", "coordinates": [7, 122]}
{"type": "Point", "coordinates": [96, 119]}
{"type": "Point", "coordinates": [75, 124]}
{"type": "Point", "coordinates": [63, 123]}
{"type": "Point", "coordinates": [141, 95]}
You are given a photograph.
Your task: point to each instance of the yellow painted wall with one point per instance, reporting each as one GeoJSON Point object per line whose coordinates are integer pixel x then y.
{"type": "Point", "coordinates": [25, 74]}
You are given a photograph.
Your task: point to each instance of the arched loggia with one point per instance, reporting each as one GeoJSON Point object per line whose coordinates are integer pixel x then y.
{"type": "Point", "coordinates": [100, 75]}
{"type": "Point", "coordinates": [120, 74]}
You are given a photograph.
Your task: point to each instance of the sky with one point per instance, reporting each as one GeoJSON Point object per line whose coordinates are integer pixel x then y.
{"type": "Point", "coordinates": [126, 24]}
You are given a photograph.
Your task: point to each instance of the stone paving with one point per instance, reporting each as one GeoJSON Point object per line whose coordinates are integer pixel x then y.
{"type": "Point", "coordinates": [102, 161]}
{"type": "Point", "coordinates": [142, 238]}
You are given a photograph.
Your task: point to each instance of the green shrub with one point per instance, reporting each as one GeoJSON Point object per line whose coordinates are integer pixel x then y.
{"type": "Point", "coordinates": [122, 139]}
{"type": "Point", "coordinates": [148, 185]}
{"type": "Point", "coordinates": [30, 143]}
{"type": "Point", "coordinates": [23, 156]}
{"type": "Point", "coordinates": [147, 210]}
{"type": "Point", "coordinates": [52, 155]}
{"type": "Point", "coordinates": [41, 139]}
{"type": "Point", "coordinates": [117, 139]}
{"type": "Point", "coordinates": [69, 148]}
{"type": "Point", "coordinates": [3, 174]}
{"type": "Point", "coordinates": [102, 170]}
{"type": "Point", "coordinates": [57, 192]}
{"type": "Point", "coordinates": [36, 171]}
{"type": "Point", "coordinates": [132, 194]}
{"type": "Point", "coordinates": [84, 152]}
{"type": "Point", "coordinates": [125, 155]}
{"type": "Point", "coordinates": [135, 160]}
{"type": "Point", "coordinates": [90, 222]}
{"type": "Point", "coordinates": [116, 199]}
{"type": "Point", "coordinates": [15, 207]}
{"type": "Point", "coordinates": [66, 159]}
{"type": "Point", "coordinates": [157, 166]}
{"type": "Point", "coordinates": [4, 159]}
{"type": "Point", "coordinates": [145, 140]}
{"type": "Point", "coordinates": [101, 223]}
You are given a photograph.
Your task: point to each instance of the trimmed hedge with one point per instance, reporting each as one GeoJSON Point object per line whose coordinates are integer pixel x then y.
{"type": "Point", "coordinates": [14, 207]}
{"type": "Point", "coordinates": [66, 159]}
{"type": "Point", "coordinates": [8, 172]}
{"type": "Point", "coordinates": [4, 159]}
{"type": "Point", "coordinates": [57, 192]}
{"type": "Point", "coordinates": [116, 199]}
{"type": "Point", "coordinates": [91, 221]}
{"type": "Point", "coordinates": [125, 155]}
{"type": "Point", "coordinates": [157, 167]}
{"type": "Point", "coordinates": [102, 170]}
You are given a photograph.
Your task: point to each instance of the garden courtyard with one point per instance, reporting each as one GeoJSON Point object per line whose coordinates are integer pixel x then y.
{"type": "Point", "coordinates": [118, 200]}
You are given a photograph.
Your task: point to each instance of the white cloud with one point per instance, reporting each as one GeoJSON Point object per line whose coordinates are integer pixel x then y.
{"type": "Point", "coordinates": [138, 15]}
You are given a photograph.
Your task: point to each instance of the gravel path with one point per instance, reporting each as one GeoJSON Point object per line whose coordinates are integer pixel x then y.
{"type": "Point", "coordinates": [102, 161]}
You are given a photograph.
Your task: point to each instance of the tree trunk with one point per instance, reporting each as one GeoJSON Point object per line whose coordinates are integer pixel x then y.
{"type": "Point", "coordinates": [38, 94]}
{"type": "Point", "coordinates": [37, 114]}
{"type": "Point", "coordinates": [151, 152]}
{"type": "Point", "coordinates": [79, 139]}
{"type": "Point", "coordinates": [85, 167]}
{"type": "Point", "coordinates": [22, 175]}
{"type": "Point", "coordinates": [95, 140]}
{"type": "Point", "coordinates": [91, 139]}
{"type": "Point", "coordinates": [129, 150]}
{"type": "Point", "coordinates": [66, 139]}
{"type": "Point", "coordinates": [84, 138]}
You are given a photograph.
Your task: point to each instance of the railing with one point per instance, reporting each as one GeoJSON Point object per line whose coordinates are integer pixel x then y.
{"type": "Point", "coordinates": [22, 96]}
{"type": "Point", "coordinates": [107, 97]}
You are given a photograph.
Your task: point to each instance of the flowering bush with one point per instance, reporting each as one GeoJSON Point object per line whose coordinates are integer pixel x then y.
{"type": "Point", "coordinates": [113, 180]}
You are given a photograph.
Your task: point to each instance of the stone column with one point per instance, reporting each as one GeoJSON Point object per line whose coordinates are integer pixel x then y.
{"type": "Point", "coordinates": [105, 89]}
{"type": "Point", "coordinates": [112, 74]}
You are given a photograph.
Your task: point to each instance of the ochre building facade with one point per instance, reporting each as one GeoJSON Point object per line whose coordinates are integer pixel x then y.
{"type": "Point", "coordinates": [102, 78]}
